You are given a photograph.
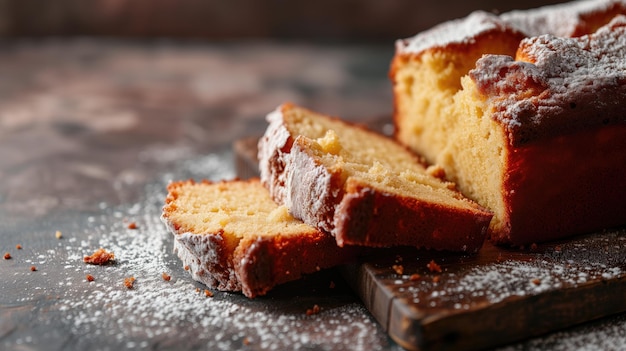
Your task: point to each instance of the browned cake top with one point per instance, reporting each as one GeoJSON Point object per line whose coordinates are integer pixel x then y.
{"type": "Point", "coordinates": [556, 85]}
{"type": "Point", "coordinates": [570, 19]}
{"type": "Point", "coordinates": [562, 79]}
{"type": "Point", "coordinates": [455, 33]}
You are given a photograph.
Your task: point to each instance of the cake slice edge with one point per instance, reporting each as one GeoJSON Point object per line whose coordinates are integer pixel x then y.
{"type": "Point", "coordinates": [254, 263]}
{"type": "Point", "coordinates": [318, 194]}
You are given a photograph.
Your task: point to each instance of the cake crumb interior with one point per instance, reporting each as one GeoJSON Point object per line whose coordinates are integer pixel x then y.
{"type": "Point", "coordinates": [236, 209]}
{"type": "Point", "coordinates": [373, 159]}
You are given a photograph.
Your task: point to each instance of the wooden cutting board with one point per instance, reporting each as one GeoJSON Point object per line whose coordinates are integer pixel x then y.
{"type": "Point", "coordinates": [430, 300]}
{"type": "Point", "coordinates": [496, 297]}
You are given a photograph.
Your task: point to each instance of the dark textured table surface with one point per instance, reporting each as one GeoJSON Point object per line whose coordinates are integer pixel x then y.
{"type": "Point", "coordinates": [90, 134]}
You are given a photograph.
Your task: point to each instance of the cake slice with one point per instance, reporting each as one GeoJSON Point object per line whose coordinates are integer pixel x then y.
{"type": "Point", "coordinates": [233, 237]}
{"type": "Point", "coordinates": [524, 111]}
{"type": "Point", "coordinates": [362, 187]}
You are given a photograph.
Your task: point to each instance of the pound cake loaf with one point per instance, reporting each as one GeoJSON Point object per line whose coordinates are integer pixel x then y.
{"type": "Point", "coordinates": [232, 236]}
{"type": "Point", "coordinates": [525, 112]}
{"type": "Point", "coordinates": [363, 188]}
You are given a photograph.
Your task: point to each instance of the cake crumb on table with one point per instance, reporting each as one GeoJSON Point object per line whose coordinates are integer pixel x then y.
{"type": "Point", "coordinates": [314, 310]}
{"type": "Point", "coordinates": [433, 266]}
{"type": "Point", "coordinates": [414, 277]}
{"type": "Point", "coordinates": [58, 234]}
{"type": "Point", "coordinates": [398, 268]}
{"type": "Point", "coordinates": [18, 246]}
{"type": "Point", "coordinates": [33, 268]}
{"type": "Point", "coordinates": [90, 278]}
{"type": "Point", "coordinates": [186, 268]}
{"type": "Point", "coordinates": [129, 282]}
{"type": "Point", "coordinates": [166, 276]}
{"type": "Point", "coordinates": [132, 225]}
{"type": "Point", "coordinates": [7, 256]}
{"type": "Point", "coordinates": [536, 281]}
{"type": "Point", "coordinates": [99, 257]}
{"type": "Point", "coordinates": [208, 293]}
{"type": "Point", "coordinates": [246, 341]}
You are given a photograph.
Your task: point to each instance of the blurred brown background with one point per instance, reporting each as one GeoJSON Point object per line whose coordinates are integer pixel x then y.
{"type": "Point", "coordinates": [349, 20]}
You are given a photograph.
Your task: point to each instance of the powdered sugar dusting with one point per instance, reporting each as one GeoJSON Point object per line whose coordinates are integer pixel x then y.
{"type": "Point", "coordinates": [293, 177]}
{"type": "Point", "coordinates": [172, 314]}
{"type": "Point", "coordinates": [562, 20]}
{"type": "Point", "coordinates": [276, 137]}
{"type": "Point", "coordinates": [160, 314]}
{"type": "Point", "coordinates": [462, 286]}
{"type": "Point", "coordinates": [585, 338]}
{"type": "Point", "coordinates": [457, 31]}
{"type": "Point", "coordinates": [569, 83]}
{"type": "Point", "coordinates": [510, 278]}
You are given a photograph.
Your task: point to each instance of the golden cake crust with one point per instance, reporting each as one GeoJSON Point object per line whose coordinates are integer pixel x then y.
{"type": "Point", "coordinates": [369, 216]}
{"type": "Point", "coordinates": [562, 186]}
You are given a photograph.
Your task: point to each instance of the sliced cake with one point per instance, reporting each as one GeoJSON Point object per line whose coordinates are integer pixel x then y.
{"type": "Point", "coordinates": [231, 236]}
{"type": "Point", "coordinates": [525, 113]}
{"type": "Point", "coordinates": [362, 187]}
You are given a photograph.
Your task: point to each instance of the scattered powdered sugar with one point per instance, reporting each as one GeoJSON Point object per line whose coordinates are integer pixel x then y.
{"type": "Point", "coordinates": [458, 31]}
{"type": "Point", "coordinates": [471, 283]}
{"type": "Point", "coordinates": [611, 337]}
{"type": "Point", "coordinates": [510, 278]}
{"type": "Point", "coordinates": [560, 84]}
{"type": "Point", "coordinates": [173, 314]}
{"type": "Point", "coordinates": [569, 83]}
{"type": "Point", "coordinates": [561, 20]}
{"type": "Point", "coordinates": [500, 279]}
